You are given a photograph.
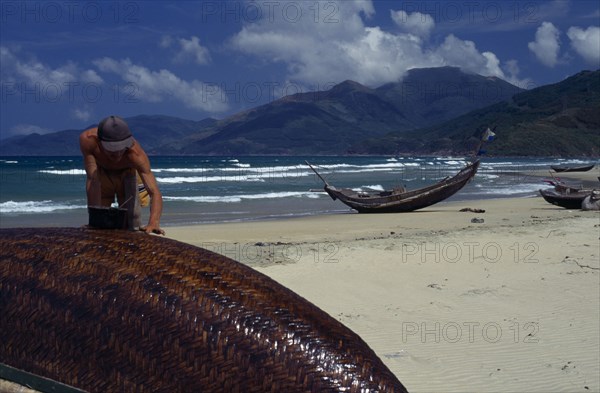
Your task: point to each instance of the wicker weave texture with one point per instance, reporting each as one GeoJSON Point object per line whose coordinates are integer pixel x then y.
{"type": "Point", "coordinates": [118, 311]}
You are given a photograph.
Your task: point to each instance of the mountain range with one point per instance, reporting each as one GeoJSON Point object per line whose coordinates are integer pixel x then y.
{"type": "Point", "coordinates": [431, 111]}
{"type": "Point", "coordinates": [561, 119]}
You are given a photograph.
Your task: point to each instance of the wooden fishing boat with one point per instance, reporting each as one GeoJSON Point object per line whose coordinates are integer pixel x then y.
{"type": "Point", "coordinates": [561, 187]}
{"type": "Point", "coordinates": [400, 200]}
{"type": "Point", "coordinates": [568, 200]}
{"type": "Point", "coordinates": [581, 168]}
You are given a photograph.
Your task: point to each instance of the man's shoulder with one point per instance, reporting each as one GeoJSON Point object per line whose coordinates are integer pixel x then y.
{"type": "Point", "coordinates": [88, 138]}
{"type": "Point", "coordinates": [137, 149]}
{"type": "Point", "coordinates": [90, 132]}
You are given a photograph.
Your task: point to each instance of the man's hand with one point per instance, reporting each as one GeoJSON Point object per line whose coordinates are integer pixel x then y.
{"type": "Point", "coordinates": [152, 229]}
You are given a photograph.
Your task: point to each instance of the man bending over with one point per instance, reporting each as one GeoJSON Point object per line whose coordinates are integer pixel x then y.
{"type": "Point", "coordinates": [113, 159]}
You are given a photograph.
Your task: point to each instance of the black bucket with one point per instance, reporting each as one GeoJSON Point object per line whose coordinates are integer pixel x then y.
{"type": "Point", "coordinates": [107, 217]}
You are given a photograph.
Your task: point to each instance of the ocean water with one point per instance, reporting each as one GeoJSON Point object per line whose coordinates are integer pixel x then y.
{"type": "Point", "coordinates": [46, 191]}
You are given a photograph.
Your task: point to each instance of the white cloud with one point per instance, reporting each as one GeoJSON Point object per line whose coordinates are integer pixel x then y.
{"type": "Point", "coordinates": [163, 85]}
{"type": "Point", "coordinates": [191, 49]}
{"type": "Point", "coordinates": [318, 53]}
{"type": "Point", "coordinates": [586, 43]}
{"type": "Point", "coordinates": [36, 81]}
{"type": "Point", "coordinates": [546, 44]}
{"type": "Point", "coordinates": [456, 52]}
{"type": "Point", "coordinates": [186, 49]}
{"type": "Point", "coordinates": [34, 72]}
{"type": "Point", "coordinates": [90, 76]}
{"type": "Point", "coordinates": [82, 114]}
{"type": "Point", "coordinates": [512, 75]}
{"type": "Point", "coordinates": [416, 23]}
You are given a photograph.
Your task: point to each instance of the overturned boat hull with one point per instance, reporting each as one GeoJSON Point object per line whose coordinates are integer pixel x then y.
{"type": "Point", "coordinates": [119, 311]}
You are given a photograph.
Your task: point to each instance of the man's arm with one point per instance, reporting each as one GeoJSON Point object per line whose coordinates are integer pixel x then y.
{"type": "Point", "coordinates": [92, 183]}
{"type": "Point", "coordinates": [142, 164]}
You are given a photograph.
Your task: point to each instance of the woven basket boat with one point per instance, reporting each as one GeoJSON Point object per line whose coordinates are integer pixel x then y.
{"type": "Point", "coordinates": [119, 311]}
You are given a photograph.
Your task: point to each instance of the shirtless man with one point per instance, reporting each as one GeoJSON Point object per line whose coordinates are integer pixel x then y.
{"type": "Point", "coordinates": [111, 158]}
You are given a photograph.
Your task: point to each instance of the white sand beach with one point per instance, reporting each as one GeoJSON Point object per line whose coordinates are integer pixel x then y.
{"type": "Point", "coordinates": [506, 300]}
{"type": "Point", "coordinates": [507, 305]}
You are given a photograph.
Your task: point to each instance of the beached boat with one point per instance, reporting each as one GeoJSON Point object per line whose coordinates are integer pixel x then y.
{"type": "Point", "coordinates": [400, 200]}
{"type": "Point", "coordinates": [561, 187]}
{"type": "Point", "coordinates": [581, 168]}
{"type": "Point", "coordinates": [568, 200]}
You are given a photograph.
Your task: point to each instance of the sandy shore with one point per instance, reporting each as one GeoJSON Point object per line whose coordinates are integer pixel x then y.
{"type": "Point", "coordinates": [507, 305]}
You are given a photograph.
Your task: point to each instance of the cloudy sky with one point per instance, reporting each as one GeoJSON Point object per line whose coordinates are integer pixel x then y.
{"type": "Point", "coordinates": [67, 64]}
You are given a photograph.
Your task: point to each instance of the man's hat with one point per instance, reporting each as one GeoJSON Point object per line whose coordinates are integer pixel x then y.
{"type": "Point", "coordinates": [114, 134]}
